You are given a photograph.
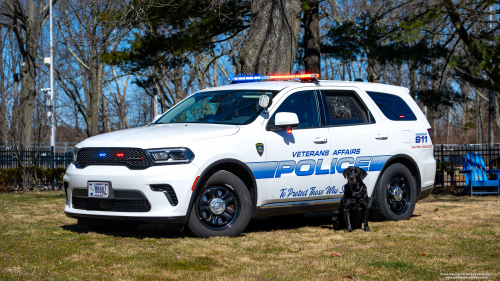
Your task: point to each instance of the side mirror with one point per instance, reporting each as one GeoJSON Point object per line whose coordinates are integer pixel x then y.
{"type": "Point", "coordinates": [283, 120]}
{"type": "Point", "coordinates": [156, 118]}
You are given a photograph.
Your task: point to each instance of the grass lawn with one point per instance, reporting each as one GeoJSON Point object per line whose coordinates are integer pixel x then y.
{"type": "Point", "coordinates": [447, 235]}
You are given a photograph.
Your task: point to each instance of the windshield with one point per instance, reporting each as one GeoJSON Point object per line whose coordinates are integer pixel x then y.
{"type": "Point", "coordinates": [235, 107]}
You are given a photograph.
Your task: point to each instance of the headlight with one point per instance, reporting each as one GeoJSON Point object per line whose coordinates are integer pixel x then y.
{"type": "Point", "coordinates": [75, 153]}
{"type": "Point", "coordinates": [171, 155]}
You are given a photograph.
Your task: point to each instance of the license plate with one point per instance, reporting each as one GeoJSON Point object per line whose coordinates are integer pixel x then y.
{"type": "Point", "coordinates": [98, 189]}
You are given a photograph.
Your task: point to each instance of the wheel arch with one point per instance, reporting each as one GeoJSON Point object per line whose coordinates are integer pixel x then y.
{"type": "Point", "coordinates": [238, 168]}
{"type": "Point", "coordinates": [409, 163]}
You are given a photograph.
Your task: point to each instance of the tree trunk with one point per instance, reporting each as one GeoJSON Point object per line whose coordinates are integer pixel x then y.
{"type": "Point", "coordinates": [349, 70]}
{"type": "Point", "coordinates": [200, 61]}
{"type": "Point", "coordinates": [271, 45]}
{"type": "Point", "coordinates": [105, 113]}
{"type": "Point", "coordinates": [327, 76]}
{"type": "Point", "coordinates": [497, 110]}
{"type": "Point", "coordinates": [179, 91]}
{"type": "Point", "coordinates": [26, 99]}
{"type": "Point", "coordinates": [3, 109]}
{"type": "Point", "coordinates": [310, 20]}
{"type": "Point", "coordinates": [448, 121]}
{"type": "Point", "coordinates": [95, 89]}
{"type": "Point", "coordinates": [413, 78]}
{"type": "Point", "coordinates": [216, 83]}
{"type": "Point", "coordinates": [479, 119]}
{"type": "Point", "coordinates": [373, 70]}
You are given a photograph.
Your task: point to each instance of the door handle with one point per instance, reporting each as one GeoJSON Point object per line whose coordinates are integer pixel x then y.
{"type": "Point", "coordinates": [380, 136]}
{"type": "Point", "coordinates": [320, 140]}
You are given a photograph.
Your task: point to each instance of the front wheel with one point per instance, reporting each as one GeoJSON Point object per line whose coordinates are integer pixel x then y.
{"type": "Point", "coordinates": [222, 208]}
{"type": "Point", "coordinates": [395, 194]}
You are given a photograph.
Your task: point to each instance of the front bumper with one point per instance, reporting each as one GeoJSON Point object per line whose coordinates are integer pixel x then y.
{"type": "Point", "coordinates": [180, 177]}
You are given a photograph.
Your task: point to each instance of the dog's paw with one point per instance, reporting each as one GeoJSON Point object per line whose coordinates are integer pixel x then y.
{"type": "Point", "coordinates": [367, 229]}
{"type": "Point", "coordinates": [335, 224]}
{"type": "Point", "coordinates": [349, 230]}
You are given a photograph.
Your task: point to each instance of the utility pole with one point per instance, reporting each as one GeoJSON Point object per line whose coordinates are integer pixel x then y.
{"type": "Point", "coordinates": [51, 114]}
{"type": "Point", "coordinates": [491, 109]}
{"type": "Point", "coordinates": [52, 107]}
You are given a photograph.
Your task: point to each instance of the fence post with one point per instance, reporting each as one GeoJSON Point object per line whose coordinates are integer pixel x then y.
{"type": "Point", "coordinates": [65, 158]}
{"type": "Point", "coordinates": [442, 165]}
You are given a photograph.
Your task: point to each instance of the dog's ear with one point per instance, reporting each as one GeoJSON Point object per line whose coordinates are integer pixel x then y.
{"type": "Point", "coordinates": [362, 174]}
{"type": "Point", "coordinates": [345, 171]}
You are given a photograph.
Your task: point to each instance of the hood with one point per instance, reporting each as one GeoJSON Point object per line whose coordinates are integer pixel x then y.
{"type": "Point", "coordinates": [157, 136]}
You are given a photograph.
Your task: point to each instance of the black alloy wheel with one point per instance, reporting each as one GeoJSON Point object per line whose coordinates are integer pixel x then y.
{"type": "Point", "coordinates": [218, 207]}
{"type": "Point", "coordinates": [223, 206]}
{"type": "Point", "coordinates": [394, 195]}
{"type": "Point", "coordinates": [398, 194]}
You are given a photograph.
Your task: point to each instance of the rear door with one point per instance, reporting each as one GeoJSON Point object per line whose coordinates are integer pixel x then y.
{"type": "Point", "coordinates": [359, 136]}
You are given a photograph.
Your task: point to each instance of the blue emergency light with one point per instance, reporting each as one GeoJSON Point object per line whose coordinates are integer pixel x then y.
{"type": "Point", "coordinates": [273, 77]}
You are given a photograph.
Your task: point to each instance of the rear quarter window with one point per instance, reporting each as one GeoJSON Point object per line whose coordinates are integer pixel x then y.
{"type": "Point", "coordinates": [393, 107]}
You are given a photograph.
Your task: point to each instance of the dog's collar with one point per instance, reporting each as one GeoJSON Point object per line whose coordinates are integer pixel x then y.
{"type": "Point", "coordinates": [356, 193]}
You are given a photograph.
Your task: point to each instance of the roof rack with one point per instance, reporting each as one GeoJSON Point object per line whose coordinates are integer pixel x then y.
{"type": "Point", "coordinates": [312, 77]}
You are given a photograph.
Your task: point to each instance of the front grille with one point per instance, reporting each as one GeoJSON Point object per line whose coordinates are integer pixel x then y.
{"type": "Point", "coordinates": [131, 157]}
{"type": "Point", "coordinates": [112, 205]}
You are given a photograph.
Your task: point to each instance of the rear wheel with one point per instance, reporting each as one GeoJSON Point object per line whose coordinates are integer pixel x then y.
{"type": "Point", "coordinates": [222, 208]}
{"type": "Point", "coordinates": [395, 194]}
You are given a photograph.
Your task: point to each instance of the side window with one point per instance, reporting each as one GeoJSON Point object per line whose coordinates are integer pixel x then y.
{"type": "Point", "coordinates": [393, 107]}
{"type": "Point", "coordinates": [346, 108]}
{"type": "Point", "coordinates": [305, 105]}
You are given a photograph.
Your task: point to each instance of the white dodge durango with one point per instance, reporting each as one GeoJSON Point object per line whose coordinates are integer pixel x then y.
{"type": "Point", "coordinates": [252, 149]}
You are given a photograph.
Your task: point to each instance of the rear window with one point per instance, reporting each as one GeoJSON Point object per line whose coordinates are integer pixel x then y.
{"type": "Point", "coordinates": [345, 108]}
{"type": "Point", "coordinates": [393, 107]}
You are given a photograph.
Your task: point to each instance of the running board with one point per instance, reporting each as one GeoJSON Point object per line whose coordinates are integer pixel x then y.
{"type": "Point", "coordinates": [297, 207]}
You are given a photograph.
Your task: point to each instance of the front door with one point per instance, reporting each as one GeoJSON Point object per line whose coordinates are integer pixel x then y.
{"type": "Point", "coordinates": [301, 158]}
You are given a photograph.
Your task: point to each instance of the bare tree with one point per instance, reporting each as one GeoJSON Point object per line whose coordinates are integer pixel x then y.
{"type": "Point", "coordinates": [119, 97]}
{"type": "Point", "coordinates": [87, 36]}
{"type": "Point", "coordinates": [25, 20]}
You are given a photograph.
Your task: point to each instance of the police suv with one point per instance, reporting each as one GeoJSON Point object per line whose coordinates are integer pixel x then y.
{"type": "Point", "coordinates": [253, 149]}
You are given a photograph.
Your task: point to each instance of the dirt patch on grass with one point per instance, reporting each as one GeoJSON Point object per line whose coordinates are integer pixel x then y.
{"type": "Point", "coordinates": [446, 235]}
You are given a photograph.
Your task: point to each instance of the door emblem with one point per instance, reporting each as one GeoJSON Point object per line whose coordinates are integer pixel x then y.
{"type": "Point", "coordinates": [260, 148]}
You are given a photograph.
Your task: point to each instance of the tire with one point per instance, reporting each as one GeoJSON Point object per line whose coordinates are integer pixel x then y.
{"type": "Point", "coordinates": [223, 207]}
{"type": "Point", "coordinates": [395, 194]}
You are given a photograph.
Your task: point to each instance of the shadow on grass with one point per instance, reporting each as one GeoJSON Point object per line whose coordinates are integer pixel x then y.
{"type": "Point", "coordinates": [255, 225]}
{"type": "Point", "coordinates": [143, 231]}
{"type": "Point", "coordinates": [323, 219]}
{"type": "Point", "coordinates": [266, 224]}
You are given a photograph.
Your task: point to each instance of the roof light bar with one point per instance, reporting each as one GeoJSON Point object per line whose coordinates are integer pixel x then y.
{"type": "Point", "coordinates": [274, 77]}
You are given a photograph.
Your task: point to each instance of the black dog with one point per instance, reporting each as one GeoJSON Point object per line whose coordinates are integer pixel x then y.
{"type": "Point", "coordinates": [355, 203]}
